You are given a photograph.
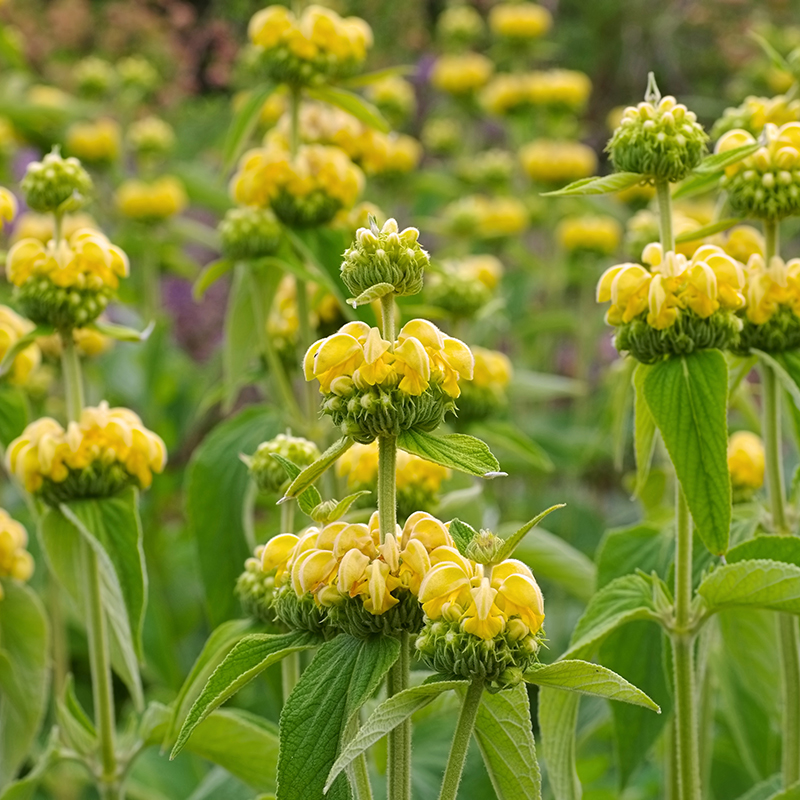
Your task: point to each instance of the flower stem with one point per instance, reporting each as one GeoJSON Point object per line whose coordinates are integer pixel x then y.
{"type": "Point", "coordinates": [290, 666]}
{"type": "Point", "coordinates": [772, 448]}
{"type": "Point", "coordinates": [387, 317]}
{"type": "Point", "coordinates": [387, 501]}
{"type": "Point", "coordinates": [306, 340]}
{"type": "Point", "coordinates": [461, 739]}
{"type": "Point", "coordinates": [399, 748]}
{"type": "Point", "coordinates": [683, 658]}
{"type": "Point", "coordinates": [359, 770]}
{"type": "Point", "coordinates": [295, 98]}
{"type": "Point", "coordinates": [73, 380]}
{"type": "Point", "coordinates": [665, 215]}
{"type": "Point", "coordinates": [771, 239]}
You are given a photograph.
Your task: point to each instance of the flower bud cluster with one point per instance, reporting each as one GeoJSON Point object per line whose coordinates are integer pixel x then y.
{"type": "Point", "coordinates": [255, 589]}
{"type": "Point", "coordinates": [100, 454]}
{"type": "Point", "coordinates": [482, 217]}
{"type": "Point", "coordinates": [15, 561]}
{"type": "Point", "coordinates": [465, 286]}
{"type": "Point", "coordinates": [660, 139]}
{"type": "Point", "coordinates": [766, 184]}
{"type": "Point", "coordinates": [441, 136]}
{"type": "Point", "coordinates": [519, 21]}
{"type": "Point", "coordinates": [12, 328]}
{"type": "Point", "coordinates": [394, 96]}
{"type": "Point", "coordinates": [462, 74]}
{"type": "Point", "coordinates": [318, 44]}
{"type": "Point", "coordinates": [269, 474]}
{"type": "Point", "coordinates": [93, 77]}
{"type": "Point", "coordinates": [459, 26]}
{"type": "Point", "coordinates": [512, 92]}
{"type": "Point", "coordinates": [53, 180]}
{"type": "Point", "coordinates": [756, 112]}
{"type": "Point", "coordinates": [249, 232]}
{"type": "Point", "coordinates": [418, 481]}
{"type": "Point", "coordinates": [388, 255]}
{"type": "Point", "coordinates": [597, 234]}
{"type": "Point", "coordinates": [68, 284]}
{"type": "Point", "coordinates": [557, 162]}
{"type": "Point", "coordinates": [151, 201]}
{"type": "Point", "coordinates": [374, 387]}
{"type": "Point", "coordinates": [746, 464]}
{"type": "Point", "coordinates": [97, 142]}
{"type": "Point", "coordinates": [485, 395]}
{"type": "Point", "coordinates": [303, 191]}
{"type": "Point", "coordinates": [151, 136]}
{"type": "Point", "coordinates": [490, 168]}
{"type": "Point", "coordinates": [677, 306]}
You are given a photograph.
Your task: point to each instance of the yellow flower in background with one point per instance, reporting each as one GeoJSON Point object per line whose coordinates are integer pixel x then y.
{"type": "Point", "coordinates": [89, 342]}
{"type": "Point", "coordinates": [151, 136]}
{"type": "Point", "coordinates": [492, 369]}
{"type": "Point", "coordinates": [393, 154]}
{"type": "Point", "coordinates": [487, 217]}
{"type": "Point", "coordinates": [461, 74]}
{"type": "Point", "coordinates": [553, 161]}
{"type": "Point", "coordinates": [519, 20]}
{"type": "Point", "coordinates": [781, 151]}
{"type": "Point", "coordinates": [31, 225]}
{"type": "Point", "coordinates": [104, 451]}
{"type": "Point", "coordinates": [8, 205]}
{"type": "Point", "coordinates": [163, 198]}
{"type": "Point", "coordinates": [394, 95]}
{"type": "Point", "coordinates": [770, 286]}
{"type": "Point", "coordinates": [601, 234]}
{"type": "Point", "coordinates": [746, 460]}
{"type": "Point", "coordinates": [742, 242]}
{"type": "Point", "coordinates": [95, 142]}
{"type": "Point", "coordinates": [756, 112]}
{"type": "Point", "coordinates": [559, 87]}
{"type": "Point", "coordinates": [12, 328]}
{"type": "Point", "coordinates": [15, 561]}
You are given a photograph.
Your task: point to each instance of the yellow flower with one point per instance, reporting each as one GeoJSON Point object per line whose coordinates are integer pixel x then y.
{"type": "Point", "coordinates": [492, 368]}
{"type": "Point", "coordinates": [86, 260]}
{"type": "Point", "coordinates": [105, 450]}
{"type": "Point", "coordinates": [15, 560]}
{"type": "Point", "coordinates": [151, 136]}
{"type": "Point", "coordinates": [627, 287]}
{"type": "Point", "coordinates": [95, 142]}
{"type": "Point", "coordinates": [746, 460]}
{"type": "Point", "coordinates": [519, 20]}
{"type": "Point", "coordinates": [89, 342]}
{"type": "Point", "coordinates": [40, 226]}
{"type": "Point", "coordinates": [599, 233]}
{"type": "Point", "coordinates": [158, 200]}
{"type": "Point", "coordinates": [394, 95]}
{"type": "Point", "coordinates": [551, 161]}
{"type": "Point", "coordinates": [779, 155]}
{"type": "Point", "coordinates": [461, 74]}
{"type": "Point", "coordinates": [12, 328]}
{"type": "Point", "coordinates": [742, 242]}
{"type": "Point", "coordinates": [770, 286]}
{"type": "Point", "coordinates": [8, 205]}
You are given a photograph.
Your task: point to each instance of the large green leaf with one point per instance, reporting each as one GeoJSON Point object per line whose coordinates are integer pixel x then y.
{"type": "Point", "coordinates": [344, 674]}
{"type": "Point", "coordinates": [558, 715]}
{"type": "Point", "coordinates": [504, 436]}
{"type": "Point", "coordinates": [24, 674]}
{"type": "Point", "coordinates": [771, 548]}
{"type": "Point", "coordinates": [64, 544]}
{"type": "Point", "coordinates": [352, 103]}
{"type": "Point", "coordinates": [752, 584]}
{"type": "Point", "coordinates": [622, 551]}
{"type": "Point", "coordinates": [718, 161]}
{"type": "Point", "coordinates": [244, 123]}
{"type": "Point", "coordinates": [113, 522]}
{"type": "Point", "coordinates": [385, 718]}
{"type": "Point", "coordinates": [216, 484]}
{"type": "Point", "coordinates": [13, 413]}
{"type": "Point", "coordinates": [688, 399]}
{"type": "Point", "coordinates": [249, 658]}
{"type": "Point", "coordinates": [454, 450]}
{"type": "Point", "coordinates": [644, 428]}
{"type": "Point", "coordinates": [504, 735]}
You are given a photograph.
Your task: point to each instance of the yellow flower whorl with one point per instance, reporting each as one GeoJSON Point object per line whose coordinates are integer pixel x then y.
{"type": "Point", "coordinates": [746, 462]}
{"type": "Point", "coordinates": [158, 200]}
{"type": "Point", "coordinates": [461, 74]}
{"type": "Point", "coordinates": [12, 328]}
{"type": "Point", "coordinates": [97, 142]}
{"type": "Point", "coordinates": [601, 234]}
{"type": "Point", "coordinates": [519, 20]}
{"type": "Point", "coordinates": [556, 162]}
{"type": "Point", "coordinates": [15, 561]}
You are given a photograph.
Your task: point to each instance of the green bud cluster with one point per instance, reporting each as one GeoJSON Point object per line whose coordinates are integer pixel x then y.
{"type": "Point", "coordinates": [96, 480]}
{"type": "Point", "coordinates": [763, 194]}
{"type": "Point", "coordinates": [268, 473]}
{"type": "Point", "coordinates": [150, 137]}
{"type": "Point", "coordinates": [307, 211]}
{"type": "Point", "coordinates": [457, 295]}
{"type": "Point", "coordinates": [460, 26]}
{"type": "Point", "coordinates": [688, 334]}
{"type": "Point", "coordinates": [492, 168]}
{"type": "Point", "coordinates": [385, 256]}
{"type": "Point", "coordinates": [485, 548]}
{"type": "Point", "coordinates": [779, 333]}
{"type": "Point", "coordinates": [249, 232]}
{"type": "Point", "coordinates": [301, 613]}
{"type": "Point", "coordinates": [94, 77]}
{"type": "Point", "coordinates": [62, 307]}
{"type": "Point", "coordinates": [501, 662]}
{"type": "Point", "coordinates": [442, 136]}
{"type": "Point", "coordinates": [351, 617]}
{"type": "Point", "coordinates": [365, 414]}
{"type": "Point", "coordinates": [659, 138]}
{"type": "Point", "coordinates": [53, 180]}
{"type": "Point", "coordinates": [254, 589]}
{"type": "Point", "coordinates": [480, 402]}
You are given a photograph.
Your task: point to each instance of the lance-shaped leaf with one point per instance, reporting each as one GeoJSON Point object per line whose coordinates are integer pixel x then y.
{"type": "Point", "coordinates": [786, 367]}
{"type": "Point", "coordinates": [13, 413]}
{"type": "Point", "coordinates": [708, 230]}
{"type": "Point", "coordinates": [331, 510]}
{"type": "Point", "coordinates": [244, 123]}
{"type": "Point", "coordinates": [454, 450]}
{"type": "Point", "coordinates": [311, 473]}
{"type": "Point", "coordinates": [20, 344]}
{"type": "Point", "coordinates": [615, 182]}
{"type": "Point", "coordinates": [77, 729]}
{"type": "Point", "coordinates": [590, 679]}
{"type": "Point", "coordinates": [375, 292]}
{"type": "Point", "coordinates": [385, 718]}
{"type": "Point", "coordinates": [248, 658]}
{"type": "Point", "coordinates": [367, 78]}
{"type": "Point", "coordinates": [719, 161]}
{"type": "Point", "coordinates": [462, 534]}
{"type": "Point", "coordinates": [344, 674]}
{"type": "Point", "coordinates": [309, 499]}
{"type": "Point", "coordinates": [210, 275]}
{"type": "Point", "coordinates": [644, 429]}
{"type": "Point", "coordinates": [697, 184]}
{"type": "Point", "coordinates": [121, 332]}
{"type": "Point", "coordinates": [687, 396]}
{"type": "Point", "coordinates": [511, 543]}
{"type": "Point", "coordinates": [353, 104]}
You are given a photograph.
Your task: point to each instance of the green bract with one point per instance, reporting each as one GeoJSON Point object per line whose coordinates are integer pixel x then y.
{"type": "Point", "coordinates": [53, 180]}
{"type": "Point", "coordinates": [249, 233]}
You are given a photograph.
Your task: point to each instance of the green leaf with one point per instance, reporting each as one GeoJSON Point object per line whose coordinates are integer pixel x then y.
{"type": "Point", "coordinates": [113, 525]}
{"type": "Point", "coordinates": [615, 182]}
{"type": "Point", "coordinates": [216, 485]}
{"type": "Point", "coordinates": [77, 729]}
{"type": "Point", "coordinates": [210, 275]}
{"type": "Point", "coordinates": [504, 736]}
{"type": "Point", "coordinates": [375, 292]}
{"type": "Point", "coordinates": [786, 367]}
{"type": "Point", "coordinates": [249, 657]}
{"type": "Point", "coordinates": [344, 674]}
{"type": "Point", "coordinates": [510, 545]}
{"type": "Point", "coordinates": [64, 544]}
{"type": "Point", "coordinates": [719, 161]}
{"type": "Point", "coordinates": [752, 584]}
{"type": "Point", "coordinates": [243, 124]}
{"type": "Point", "coordinates": [688, 399]}
{"type": "Point", "coordinates": [778, 61]}
{"type": "Point", "coordinates": [13, 413]}
{"type": "Point", "coordinates": [708, 230]}
{"type": "Point", "coordinates": [25, 788]}
{"type": "Point", "coordinates": [215, 650]}
{"type": "Point", "coordinates": [367, 78]}
{"type": "Point", "coordinates": [624, 550]}
{"type": "Point", "coordinates": [696, 184]}
{"type": "Point", "coordinates": [310, 498]}
{"type": "Point", "coordinates": [644, 434]}
{"type": "Point", "coordinates": [315, 470]}
{"type": "Point", "coordinates": [502, 435]}
{"type": "Point", "coordinates": [558, 715]}
{"type": "Point", "coordinates": [353, 104]}
{"type": "Point", "coordinates": [324, 513]}
{"type": "Point", "coordinates": [455, 450]}
{"type": "Point", "coordinates": [385, 718]}
{"type": "Point", "coordinates": [462, 534]}
{"type": "Point", "coordinates": [767, 547]}
{"type": "Point", "coordinates": [21, 344]}
{"type": "Point", "coordinates": [122, 333]}
{"type": "Point", "coordinates": [24, 674]}
{"type": "Point", "coordinates": [590, 679]}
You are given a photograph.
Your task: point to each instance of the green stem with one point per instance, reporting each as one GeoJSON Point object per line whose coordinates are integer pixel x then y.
{"type": "Point", "coordinates": [295, 98]}
{"type": "Point", "coordinates": [771, 239]}
{"type": "Point", "coordinates": [387, 317]}
{"type": "Point", "coordinates": [790, 674]}
{"type": "Point", "coordinates": [461, 739]}
{"type": "Point", "coordinates": [102, 687]}
{"type": "Point", "coordinates": [772, 448]}
{"type": "Point", "coordinates": [306, 340]}
{"type": "Point", "coordinates": [290, 666]}
{"type": "Point", "coordinates": [149, 264]}
{"type": "Point", "coordinates": [688, 761]}
{"type": "Point", "coordinates": [665, 215]}
{"type": "Point", "coordinates": [58, 219]}
{"type": "Point", "coordinates": [73, 380]}
{"type": "Point", "coordinates": [359, 771]}
{"type": "Point", "coordinates": [399, 745]}
{"type": "Point", "coordinates": [387, 498]}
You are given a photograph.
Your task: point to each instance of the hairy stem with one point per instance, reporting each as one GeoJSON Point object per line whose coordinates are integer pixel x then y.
{"type": "Point", "coordinates": [73, 380]}
{"type": "Point", "coordinates": [387, 501]}
{"type": "Point", "coordinates": [387, 317]}
{"type": "Point", "coordinates": [399, 749]}
{"type": "Point", "coordinates": [665, 215]}
{"type": "Point", "coordinates": [461, 739]}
